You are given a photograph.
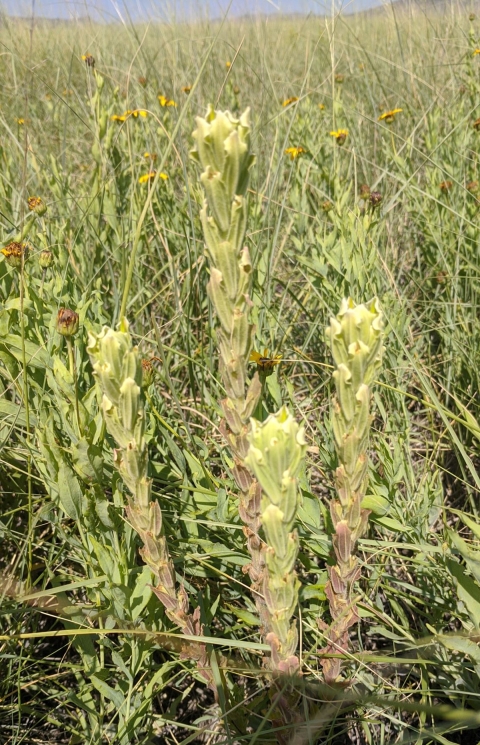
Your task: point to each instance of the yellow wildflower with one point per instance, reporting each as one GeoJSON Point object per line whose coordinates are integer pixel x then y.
{"type": "Point", "coordinates": [265, 363]}
{"type": "Point", "coordinates": [186, 89]}
{"type": "Point", "coordinates": [150, 156]}
{"type": "Point", "coordinates": [294, 152]}
{"type": "Point", "coordinates": [288, 101]}
{"type": "Point", "coordinates": [475, 52]}
{"type": "Point", "coordinates": [88, 59]}
{"type": "Point", "coordinates": [20, 121]}
{"type": "Point", "coordinates": [389, 116]}
{"type": "Point", "coordinates": [321, 106]}
{"type": "Point", "coordinates": [340, 135]}
{"type": "Point", "coordinates": [37, 205]}
{"type": "Point", "coordinates": [118, 118]}
{"type": "Point", "coordinates": [139, 112]}
{"type": "Point", "coordinates": [164, 101]}
{"type": "Point", "coordinates": [228, 64]}
{"type": "Point", "coordinates": [150, 176]}
{"type": "Point", "coordinates": [14, 252]}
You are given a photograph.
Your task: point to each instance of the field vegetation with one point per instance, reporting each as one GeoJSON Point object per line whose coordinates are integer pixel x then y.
{"type": "Point", "coordinates": [219, 522]}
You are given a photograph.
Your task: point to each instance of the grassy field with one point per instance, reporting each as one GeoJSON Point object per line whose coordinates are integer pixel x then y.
{"type": "Point", "coordinates": [366, 184]}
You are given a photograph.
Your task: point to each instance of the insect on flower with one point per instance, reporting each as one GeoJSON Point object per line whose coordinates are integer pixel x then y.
{"type": "Point", "coordinates": [265, 363]}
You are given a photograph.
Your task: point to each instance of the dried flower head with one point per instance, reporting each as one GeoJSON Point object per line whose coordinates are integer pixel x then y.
{"type": "Point", "coordinates": [89, 60]}
{"type": "Point", "coordinates": [294, 152]}
{"type": "Point", "coordinates": [364, 190]}
{"type": "Point", "coordinates": [340, 135]}
{"type": "Point", "coordinates": [236, 90]}
{"type": "Point", "coordinates": [37, 205]}
{"type": "Point", "coordinates": [389, 116]}
{"type": "Point", "coordinates": [375, 199]}
{"type": "Point", "coordinates": [67, 322]}
{"type": "Point", "coordinates": [445, 186]}
{"type": "Point", "coordinates": [339, 78]}
{"type": "Point", "coordinates": [327, 206]}
{"type": "Point", "coordinates": [476, 124]}
{"type": "Point", "coordinates": [142, 81]}
{"type": "Point", "coordinates": [148, 372]}
{"type": "Point", "coordinates": [14, 253]}
{"type": "Point", "coordinates": [164, 101]}
{"type": "Point", "coordinates": [471, 17]}
{"type": "Point", "coordinates": [472, 187]}
{"type": "Point", "coordinates": [288, 101]}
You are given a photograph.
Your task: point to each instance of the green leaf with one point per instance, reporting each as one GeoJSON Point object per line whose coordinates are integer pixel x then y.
{"type": "Point", "coordinates": [115, 696]}
{"type": "Point", "coordinates": [468, 591]}
{"type": "Point", "coordinates": [69, 490]}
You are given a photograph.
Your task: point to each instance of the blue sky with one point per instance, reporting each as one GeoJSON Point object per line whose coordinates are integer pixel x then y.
{"type": "Point", "coordinates": [181, 9]}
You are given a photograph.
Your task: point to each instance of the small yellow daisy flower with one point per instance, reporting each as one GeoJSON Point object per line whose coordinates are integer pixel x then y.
{"type": "Point", "coordinates": [139, 112]}
{"type": "Point", "coordinates": [321, 106]}
{"type": "Point", "coordinates": [150, 176]}
{"type": "Point", "coordinates": [340, 135]}
{"type": "Point", "coordinates": [20, 121]}
{"type": "Point", "coordinates": [294, 152]}
{"type": "Point", "coordinates": [164, 101]}
{"type": "Point", "coordinates": [475, 52]}
{"type": "Point", "coordinates": [118, 118]}
{"type": "Point", "coordinates": [288, 101]}
{"type": "Point", "coordinates": [228, 64]}
{"type": "Point", "coordinates": [389, 116]}
{"type": "Point", "coordinates": [186, 89]}
{"type": "Point", "coordinates": [265, 363]}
